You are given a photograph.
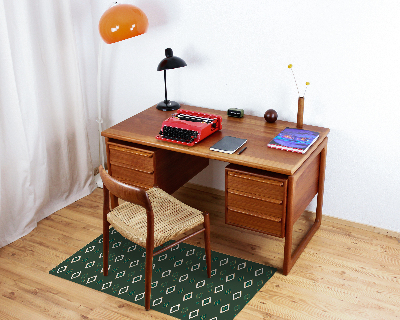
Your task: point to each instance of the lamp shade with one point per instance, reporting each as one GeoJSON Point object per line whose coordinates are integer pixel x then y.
{"type": "Point", "coordinates": [122, 21]}
{"type": "Point", "coordinates": [170, 61]}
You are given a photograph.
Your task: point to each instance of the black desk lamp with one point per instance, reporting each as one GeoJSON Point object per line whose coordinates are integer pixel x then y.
{"type": "Point", "coordinates": [169, 62]}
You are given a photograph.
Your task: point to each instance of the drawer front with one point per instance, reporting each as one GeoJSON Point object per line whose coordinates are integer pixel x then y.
{"type": "Point", "coordinates": [133, 177]}
{"type": "Point", "coordinates": [270, 209]}
{"type": "Point", "coordinates": [248, 221]}
{"type": "Point", "coordinates": [130, 157]}
{"type": "Point", "coordinates": [255, 200]}
{"type": "Point", "coordinates": [260, 186]}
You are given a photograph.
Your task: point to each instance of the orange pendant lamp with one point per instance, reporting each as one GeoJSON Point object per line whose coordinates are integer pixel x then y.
{"type": "Point", "coordinates": [122, 21]}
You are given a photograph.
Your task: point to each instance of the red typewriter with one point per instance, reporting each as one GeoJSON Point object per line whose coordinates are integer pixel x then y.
{"type": "Point", "coordinates": [189, 127]}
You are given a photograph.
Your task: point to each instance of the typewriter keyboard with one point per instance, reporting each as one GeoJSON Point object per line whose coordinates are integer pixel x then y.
{"type": "Point", "coordinates": [178, 134]}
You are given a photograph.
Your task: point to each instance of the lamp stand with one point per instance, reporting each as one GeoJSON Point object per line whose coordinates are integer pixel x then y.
{"type": "Point", "coordinates": [99, 119]}
{"type": "Point", "coordinates": [167, 105]}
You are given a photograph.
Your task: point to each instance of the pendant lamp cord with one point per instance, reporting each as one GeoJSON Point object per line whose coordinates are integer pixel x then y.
{"type": "Point", "coordinates": [99, 119]}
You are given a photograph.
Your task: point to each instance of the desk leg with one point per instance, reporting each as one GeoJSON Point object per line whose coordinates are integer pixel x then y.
{"type": "Point", "coordinates": [289, 259]}
{"type": "Point", "coordinates": [114, 199]}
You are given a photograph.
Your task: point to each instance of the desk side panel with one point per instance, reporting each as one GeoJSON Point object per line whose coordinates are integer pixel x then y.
{"type": "Point", "coordinates": [306, 182]}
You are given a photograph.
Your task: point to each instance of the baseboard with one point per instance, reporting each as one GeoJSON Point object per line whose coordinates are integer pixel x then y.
{"type": "Point", "coordinates": [362, 226]}
{"type": "Point", "coordinates": [344, 222]}
{"type": "Point", "coordinates": [98, 181]}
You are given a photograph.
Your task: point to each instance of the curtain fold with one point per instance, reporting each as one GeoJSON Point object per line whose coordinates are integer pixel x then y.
{"type": "Point", "coordinates": [45, 159]}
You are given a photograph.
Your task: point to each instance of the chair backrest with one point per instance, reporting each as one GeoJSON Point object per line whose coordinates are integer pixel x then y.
{"type": "Point", "coordinates": [125, 192]}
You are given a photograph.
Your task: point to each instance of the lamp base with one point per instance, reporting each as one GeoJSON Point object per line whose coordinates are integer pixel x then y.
{"type": "Point", "coordinates": [168, 105]}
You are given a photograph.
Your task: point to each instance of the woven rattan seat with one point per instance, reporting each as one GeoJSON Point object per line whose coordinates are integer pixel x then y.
{"type": "Point", "coordinates": [171, 218]}
{"type": "Point", "coordinates": [149, 219]}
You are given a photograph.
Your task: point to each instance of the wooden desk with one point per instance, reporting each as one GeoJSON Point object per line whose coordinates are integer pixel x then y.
{"type": "Point", "coordinates": [137, 157]}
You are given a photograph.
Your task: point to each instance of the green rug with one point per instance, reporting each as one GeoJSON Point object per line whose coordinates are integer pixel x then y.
{"type": "Point", "coordinates": [180, 286]}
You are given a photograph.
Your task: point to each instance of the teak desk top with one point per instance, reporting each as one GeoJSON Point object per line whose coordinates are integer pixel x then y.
{"type": "Point", "coordinates": [144, 126]}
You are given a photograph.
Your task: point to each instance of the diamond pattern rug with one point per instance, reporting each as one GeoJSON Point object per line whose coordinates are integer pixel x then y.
{"type": "Point", "coordinates": [180, 287]}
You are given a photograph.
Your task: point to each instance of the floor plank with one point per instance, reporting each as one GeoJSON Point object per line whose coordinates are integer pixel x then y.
{"type": "Point", "coordinates": [347, 271]}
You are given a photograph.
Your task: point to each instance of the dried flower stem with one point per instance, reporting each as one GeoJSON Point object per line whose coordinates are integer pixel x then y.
{"type": "Point", "coordinates": [307, 83]}
{"type": "Point", "coordinates": [295, 81]}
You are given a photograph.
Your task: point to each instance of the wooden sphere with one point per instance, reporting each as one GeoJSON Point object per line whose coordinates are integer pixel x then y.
{"type": "Point", "coordinates": [270, 115]}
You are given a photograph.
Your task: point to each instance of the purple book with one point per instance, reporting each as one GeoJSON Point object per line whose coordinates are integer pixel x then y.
{"type": "Point", "coordinates": [294, 140]}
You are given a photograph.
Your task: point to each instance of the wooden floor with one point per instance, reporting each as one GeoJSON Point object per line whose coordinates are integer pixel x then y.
{"type": "Point", "coordinates": [344, 273]}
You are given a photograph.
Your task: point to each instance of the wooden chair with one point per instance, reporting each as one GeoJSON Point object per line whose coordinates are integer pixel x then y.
{"type": "Point", "coordinates": [149, 218]}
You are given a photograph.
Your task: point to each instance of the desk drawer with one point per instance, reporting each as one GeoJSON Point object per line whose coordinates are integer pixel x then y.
{"type": "Point", "coordinates": [255, 199]}
{"type": "Point", "coordinates": [248, 220]}
{"type": "Point", "coordinates": [268, 208]}
{"type": "Point", "coordinates": [130, 157]}
{"type": "Point", "coordinates": [133, 177]}
{"type": "Point", "coordinates": [260, 185]}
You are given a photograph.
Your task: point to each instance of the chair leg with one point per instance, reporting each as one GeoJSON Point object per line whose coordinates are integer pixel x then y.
{"type": "Point", "coordinates": [106, 246]}
{"type": "Point", "coordinates": [148, 274]}
{"type": "Point", "coordinates": [207, 242]}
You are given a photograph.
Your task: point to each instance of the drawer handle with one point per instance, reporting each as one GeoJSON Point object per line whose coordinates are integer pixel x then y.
{"type": "Point", "coordinates": [258, 216]}
{"type": "Point", "coordinates": [247, 195]}
{"type": "Point", "coordinates": [140, 153]}
{"type": "Point", "coordinates": [275, 183]}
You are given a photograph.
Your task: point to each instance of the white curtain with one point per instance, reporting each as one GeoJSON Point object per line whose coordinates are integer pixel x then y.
{"type": "Point", "coordinates": [45, 161]}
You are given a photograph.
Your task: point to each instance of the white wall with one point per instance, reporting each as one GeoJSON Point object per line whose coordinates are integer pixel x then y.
{"type": "Point", "coordinates": [237, 54]}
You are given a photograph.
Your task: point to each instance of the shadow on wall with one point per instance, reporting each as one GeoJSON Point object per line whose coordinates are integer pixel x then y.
{"type": "Point", "coordinates": [157, 14]}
